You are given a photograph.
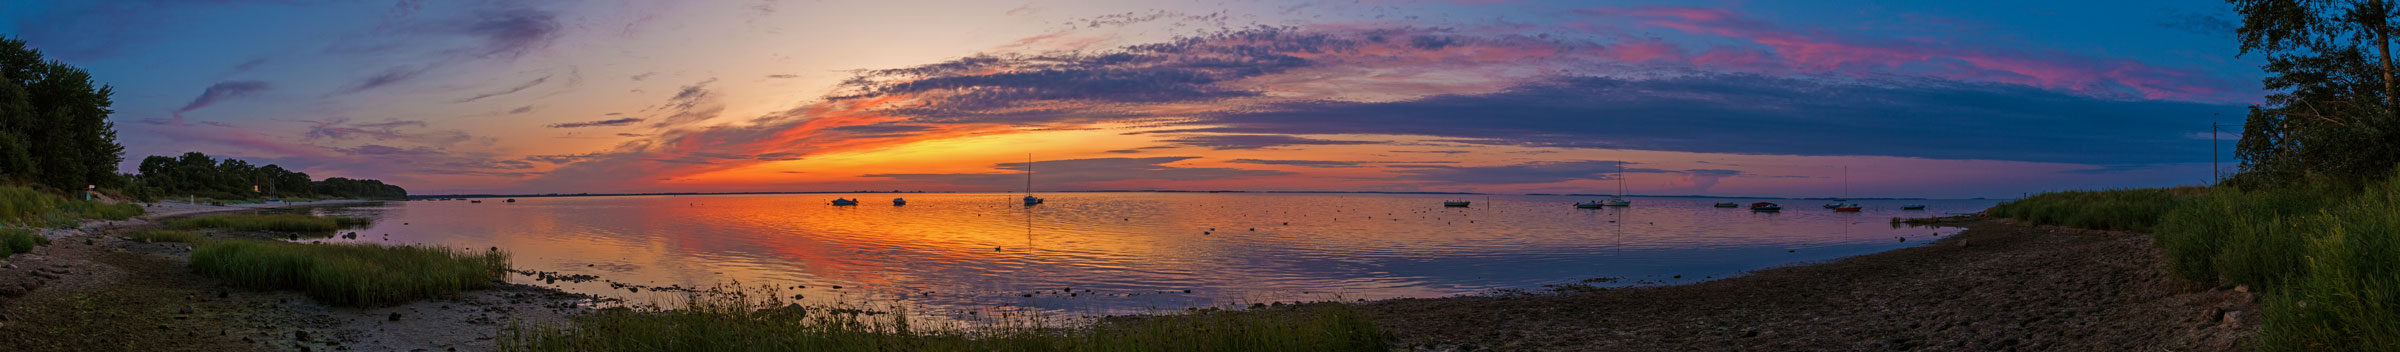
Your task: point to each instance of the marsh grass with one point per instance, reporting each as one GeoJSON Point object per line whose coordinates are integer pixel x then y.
{"type": "Point", "coordinates": [350, 274]}
{"type": "Point", "coordinates": [26, 206]}
{"type": "Point", "coordinates": [756, 320]}
{"type": "Point", "coordinates": [14, 241]}
{"type": "Point", "coordinates": [299, 223]}
{"type": "Point", "coordinates": [2124, 209]}
{"type": "Point", "coordinates": [157, 235]}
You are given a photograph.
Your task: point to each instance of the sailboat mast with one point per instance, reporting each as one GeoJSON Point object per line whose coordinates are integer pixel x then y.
{"type": "Point", "coordinates": [1029, 174]}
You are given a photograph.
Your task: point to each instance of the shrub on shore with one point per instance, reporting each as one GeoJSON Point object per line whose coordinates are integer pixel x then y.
{"type": "Point", "coordinates": [14, 241]}
{"type": "Point", "coordinates": [178, 236]}
{"type": "Point", "coordinates": [736, 322]}
{"type": "Point", "coordinates": [26, 206]}
{"type": "Point", "coordinates": [2124, 209]}
{"type": "Point", "coordinates": [2327, 256]}
{"type": "Point", "coordinates": [350, 274]}
{"type": "Point", "coordinates": [270, 222]}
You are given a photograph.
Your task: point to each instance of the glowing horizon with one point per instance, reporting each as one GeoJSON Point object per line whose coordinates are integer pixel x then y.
{"type": "Point", "coordinates": [1916, 100]}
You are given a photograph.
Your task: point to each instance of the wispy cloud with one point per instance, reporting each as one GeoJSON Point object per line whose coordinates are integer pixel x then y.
{"type": "Point", "coordinates": [610, 122]}
{"type": "Point", "coordinates": [219, 92]}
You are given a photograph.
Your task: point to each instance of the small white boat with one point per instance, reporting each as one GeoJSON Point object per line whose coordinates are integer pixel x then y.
{"type": "Point", "coordinates": [1617, 202]}
{"type": "Point", "coordinates": [842, 201]}
{"type": "Point", "coordinates": [1455, 203]}
{"type": "Point", "coordinates": [899, 202]}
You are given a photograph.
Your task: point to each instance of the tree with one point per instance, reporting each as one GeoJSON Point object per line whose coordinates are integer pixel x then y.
{"type": "Point", "coordinates": [2330, 111]}
{"type": "Point", "coordinates": [54, 126]}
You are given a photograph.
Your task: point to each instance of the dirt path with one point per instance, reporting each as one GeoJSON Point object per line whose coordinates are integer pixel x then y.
{"type": "Point", "coordinates": [1996, 286]}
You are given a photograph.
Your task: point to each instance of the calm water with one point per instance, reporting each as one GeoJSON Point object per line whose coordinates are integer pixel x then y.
{"type": "Point", "coordinates": [1137, 251]}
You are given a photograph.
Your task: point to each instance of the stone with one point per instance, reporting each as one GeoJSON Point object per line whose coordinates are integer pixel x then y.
{"type": "Point", "coordinates": [301, 335]}
{"type": "Point", "coordinates": [2233, 318]}
{"type": "Point", "coordinates": [395, 316]}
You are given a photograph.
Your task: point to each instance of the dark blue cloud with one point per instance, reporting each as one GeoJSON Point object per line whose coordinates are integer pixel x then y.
{"type": "Point", "coordinates": [510, 90]}
{"type": "Point", "coordinates": [1058, 174]}
{"type": "Point", "coordinates": [388, 77]}
{"type": "Point", "coordinates": [973, 89]}
{"type": "Point", "coordinates": [1744, 114]}
{"type": "Point", "coordinates": [1526, 173]}
{"type": "Point", "coordinates": [1253, 141]}
{"type": "Point", "coordinates": [222, 91]}
{"type": "Point", "coordinates": [600, 123]}
{"type": "Point", "coordinates": [514, 31]}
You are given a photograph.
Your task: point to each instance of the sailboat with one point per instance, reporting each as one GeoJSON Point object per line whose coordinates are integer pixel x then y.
{"type": "Point", "coordinates": [899, 202]}
{"type": "Point", "coordinates": [845, 201]}
{"type": "Point", "coordinates": [1619, 199]}
{"type": "Point", "coordinates": [1029, 198]}
{"type": "Point", "coordinates": [1845, 206]}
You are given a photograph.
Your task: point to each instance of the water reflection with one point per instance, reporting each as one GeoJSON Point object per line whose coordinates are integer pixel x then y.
{"type": "Point", "coordinates": [1132, 252]}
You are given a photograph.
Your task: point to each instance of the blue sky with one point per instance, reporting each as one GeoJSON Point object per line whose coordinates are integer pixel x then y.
{"type": "Point", "coordinates": [1939, 99]}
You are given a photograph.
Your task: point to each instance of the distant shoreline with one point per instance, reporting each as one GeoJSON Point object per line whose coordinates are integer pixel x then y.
{"type": "Point", "coordinates": [561, 195]}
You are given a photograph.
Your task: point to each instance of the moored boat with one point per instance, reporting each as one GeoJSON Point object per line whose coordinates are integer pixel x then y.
{"type": "Point", "coordinates": [844, 201]}
{"type": "Point", "coordinates": [899, 202]}
{"type": "Point", "coordinates": [1846, 208]}
{"type": "Point", "coordinates": [1455, 203]}
{"type": "Point", "coordinates": [1913, 207]}
{"type": "Point", "coordinates": [1765, 207]}
{"type": "Point", "coordinates": [1617, 202]}
{"type": "Point", "coordinates": [1728, 205]}
{"type": "Point", "coordinates": [1588, 204]}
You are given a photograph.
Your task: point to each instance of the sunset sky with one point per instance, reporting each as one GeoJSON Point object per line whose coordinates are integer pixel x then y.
{"type": "Point", "coordinates": [1770, 98]}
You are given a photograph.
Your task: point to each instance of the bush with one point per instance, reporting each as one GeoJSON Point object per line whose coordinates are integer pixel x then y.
{"type": "Point", "coordinates": [350, 274]}
{"type": "Point", "coordinates": [270, 222]}
{"type": "Point", "coordinates": [2124, 209]}
{"type": "Point", "coordinates": [734, 322]}
{"type": "Point", "coordinates": [15, 241]}
{"type": "Point", "coordinates": [2340, 289]}
{"type": "Point", "coordinates": [168, 236]}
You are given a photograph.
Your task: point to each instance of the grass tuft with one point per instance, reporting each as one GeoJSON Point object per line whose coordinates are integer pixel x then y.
{"type": "Point", "coordinates": [178, 236]}
{"type": "Point", "coordinates": [301, 223]}
{"type": "Point", "coordinates": [2124, 209]}
{"type": "Point", "coordinates": [14, 241]}
{"type": "Point", "coordinates": [350, 274]}
{"type": "Point", "coordinates": [742, 321]}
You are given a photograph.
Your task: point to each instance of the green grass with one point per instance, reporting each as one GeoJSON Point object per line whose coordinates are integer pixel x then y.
{"type": "Point", "coordinates": [26, 206]}
{"type": "Point", "coordinates": [178, 236]}
{"type": "Point", "coordinates": [2326, 256]}
{"type": "Point", "coordinates": [2124, 209]}
{"type": "Point", "coordinates": [14, 241]}
{"type": "Point", "coordinates": [350, 274]}
{"type": "Point", "coordinates": [743, 321]}
{"type": "Point", "coordinates": [271, 222]}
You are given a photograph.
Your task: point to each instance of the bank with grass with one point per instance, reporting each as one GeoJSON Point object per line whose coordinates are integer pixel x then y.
{"type": "Point", "coordinates": [350, 274]}
{"type": "Point", "coordinates": [2325, 254]}
{"type": "Point", "coordinates": [759, 320]}
{"type": "Point", "coordinates": [296, 223]}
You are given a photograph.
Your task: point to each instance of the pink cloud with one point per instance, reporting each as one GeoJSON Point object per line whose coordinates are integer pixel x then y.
{"type": "Point", "coordinates": [1810, 50]}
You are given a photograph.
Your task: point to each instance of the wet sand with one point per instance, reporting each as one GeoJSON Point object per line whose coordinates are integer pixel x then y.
{"type": "Point", "coordinates": [1998, 286]}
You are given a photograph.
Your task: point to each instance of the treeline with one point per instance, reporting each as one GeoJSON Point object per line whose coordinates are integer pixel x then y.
{"type": "Point", "coordinates": [54, 127]}
{"type": "Point", "coordinates": [197, 174]}
{"type": "Point", "coordinates": [2332, 113]}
